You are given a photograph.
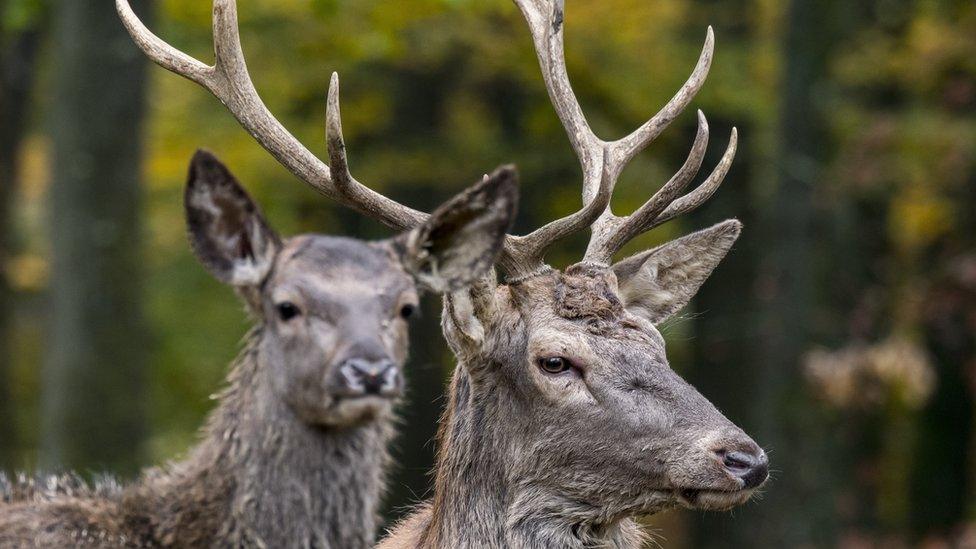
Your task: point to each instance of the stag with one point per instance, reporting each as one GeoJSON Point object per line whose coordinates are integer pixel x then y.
{"type": "Point", "coordinates": [295, 452]}
{"type": "Point", "coordinates": [564, 421]}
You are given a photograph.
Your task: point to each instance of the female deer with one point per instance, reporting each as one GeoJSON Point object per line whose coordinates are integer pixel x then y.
{"type": "Point", "coordinates": [295, 453]}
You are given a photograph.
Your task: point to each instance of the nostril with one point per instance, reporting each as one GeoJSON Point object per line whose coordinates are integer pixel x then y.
{"type": "Point", "coordinates": [737, 461]}
{"type": "Point", "coordinates": [752, 469]}
{"type": "Point", "coordinates": [370, 377]}
{"type": "Point", "coordinates": [351, 375]}
{"type": "Point", "coordinates": [390, 374]}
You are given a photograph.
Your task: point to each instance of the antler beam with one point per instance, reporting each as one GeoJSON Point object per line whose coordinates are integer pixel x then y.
{"type": "Point", "coordinates": [228, 79]}
{"type": "Point", "coordinates": [601, 161]}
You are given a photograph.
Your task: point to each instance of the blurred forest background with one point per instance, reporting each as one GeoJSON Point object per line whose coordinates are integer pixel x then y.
{"type": "Point", "coordinates": [840, 333]}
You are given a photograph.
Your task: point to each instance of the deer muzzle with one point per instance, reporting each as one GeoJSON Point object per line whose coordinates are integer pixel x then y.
{"type": "Point", "coordinates": [361, 378]}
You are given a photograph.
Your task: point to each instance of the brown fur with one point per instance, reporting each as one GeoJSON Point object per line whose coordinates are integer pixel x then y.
{"type": "Point", "coordinates": [587, 291]}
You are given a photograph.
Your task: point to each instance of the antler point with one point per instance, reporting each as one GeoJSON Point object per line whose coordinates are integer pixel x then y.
{"type": "Point", "coordinates": [709, 41]}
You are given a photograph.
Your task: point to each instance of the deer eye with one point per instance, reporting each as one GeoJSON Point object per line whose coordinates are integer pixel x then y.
{"type": "Point", "coordinates": [287, 310]}
{"type": "Point", "coordinates": [408, 311]}
{"type": "Point", "coordinates": [554, 365]}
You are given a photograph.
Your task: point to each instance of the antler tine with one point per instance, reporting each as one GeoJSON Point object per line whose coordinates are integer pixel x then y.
{"type": "Point", "coordinates": [629, 146]}
{"type": "Point", "coordinates": [525, 254]}
{"type": "Point", "coordinates": [334, 139]}
{"type": "Point", "coordinates": [615, 231]}
{"type": "Point", "coordinates": [704, 191]}
{"type": "Point", "coordinates": [603, 161]}
{"type": "Point", "coordinates": [160, 52]}
{"type": "Point", "coordinates": [663, 207]}
{"type": "Point", "coordinates": [229, 80]}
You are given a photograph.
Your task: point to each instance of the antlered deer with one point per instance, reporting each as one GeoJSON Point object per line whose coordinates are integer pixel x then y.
{"type": "Point", "coordinates": [564, 420]}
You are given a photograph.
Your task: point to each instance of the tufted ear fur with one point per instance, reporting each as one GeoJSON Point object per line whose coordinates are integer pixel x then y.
{"type": "Point", "coordinates": [227, 231]}
{"type": "Point", "coordinates": [656, 283]}
{"type": "Point", "coordinates": [461, 240]}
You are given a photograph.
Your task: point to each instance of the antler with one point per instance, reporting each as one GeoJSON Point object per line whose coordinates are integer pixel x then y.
{"type": "Point", "coordinates": [229, 81]}
{"type": "Point", "coordinates": [603, 161]}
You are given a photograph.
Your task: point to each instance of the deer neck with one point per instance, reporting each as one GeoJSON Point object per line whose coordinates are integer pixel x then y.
{"type": "Point", "coordinates": [479, 499]}
{"type": "Point", "coordinates": [262, 477]}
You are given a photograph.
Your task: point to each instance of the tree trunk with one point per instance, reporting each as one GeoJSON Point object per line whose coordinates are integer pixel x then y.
{"type": "Point", "coordinates": [947, 425]}
{"type": "Point", "coordinates": [747, 352]}
{"type": "Point", "coordinates": [725, 331]}
{"type": "Point", "coordinates": [93, 405]}
{"type": "Point", "coordinates": [798, 508]}
{"type": "Point", "coordinates": [17, 69]}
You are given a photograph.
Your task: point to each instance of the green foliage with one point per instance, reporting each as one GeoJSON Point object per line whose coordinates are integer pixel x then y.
{"type": "Point", "coordinates": [19, 15]}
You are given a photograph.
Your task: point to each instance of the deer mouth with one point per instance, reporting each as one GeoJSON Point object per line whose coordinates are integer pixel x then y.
{"type": "Point", "coordinates": [351, 411]}
{"type": "Point", "coordinates": [367, 397]}
{"type": "Point", "coordinates": [363, 402]}
{"type": "Point", "coordinates": [712, 500]}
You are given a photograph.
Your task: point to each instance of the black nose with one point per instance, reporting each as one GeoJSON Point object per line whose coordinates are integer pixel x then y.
{"type": "Point", "coordinates": [367, 377]}
{"type": "Point", "coordinates": [752, 467]}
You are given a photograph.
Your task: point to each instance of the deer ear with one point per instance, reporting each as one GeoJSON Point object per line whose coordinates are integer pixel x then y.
{"type": "Point", "coordinates": [227, 231]}
{"type": "Point", "coordinates": [461, 240]}
{"type": "Point", "coordinates": [657, 283]}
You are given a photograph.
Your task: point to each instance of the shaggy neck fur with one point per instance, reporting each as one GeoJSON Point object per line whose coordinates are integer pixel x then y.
{"type": "Point", "coordinates": [263, 478]}
{"type": "Point", "coordinates": [478, 503]}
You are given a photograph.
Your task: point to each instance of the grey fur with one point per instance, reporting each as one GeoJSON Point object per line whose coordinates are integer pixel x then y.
{"type": "Point", "coordinates": [286, 458]}
{"type": "Point", "coordinates": [259, 478]}
{"type": "Point", "coordinates": [530, 459]}
{"type": "Point", "coordinates": [659, 282]}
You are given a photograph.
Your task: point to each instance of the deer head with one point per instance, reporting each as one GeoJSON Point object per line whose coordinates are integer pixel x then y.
{"type": "Point", "coordinates": [335, 310]}
{"type": "Point", "coordinates": [571, 368]}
